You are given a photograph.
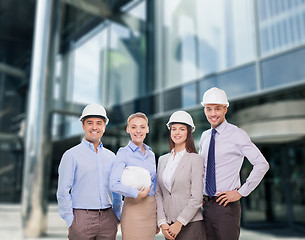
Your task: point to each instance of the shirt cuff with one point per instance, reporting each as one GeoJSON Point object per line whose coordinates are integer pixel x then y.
{"type": "Point", "coordinates": [242, 191]}
{"type": "Point", "coordinates": [135, 193]}
{"type": "Point", "coordinates": [161, 221]}
{"type": "Point", "coordinates": [69, 221]}
{"type": "Point", "coordinates": [182, 221]}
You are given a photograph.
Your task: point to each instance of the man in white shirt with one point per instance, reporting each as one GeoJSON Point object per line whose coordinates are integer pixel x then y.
{"type": "Point", "coordinates": [223, 148]}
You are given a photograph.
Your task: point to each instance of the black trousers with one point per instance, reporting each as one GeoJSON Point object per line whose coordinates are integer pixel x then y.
{"type": "Point", "coordinates": [222, 223]}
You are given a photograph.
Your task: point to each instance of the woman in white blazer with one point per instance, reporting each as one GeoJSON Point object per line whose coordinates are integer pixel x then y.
{"type": "Point", "coordinates": [179, 189]}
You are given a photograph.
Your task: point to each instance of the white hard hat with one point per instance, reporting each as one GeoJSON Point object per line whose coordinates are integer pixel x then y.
{"type": "Point", "coordinates": [215, 96]}
{"type": "Point", "coordinates": [136, 177]}
{"type": "Point", "coordinates": [181, 117]}
{"type": "Point", "coordinates": [94, 110]}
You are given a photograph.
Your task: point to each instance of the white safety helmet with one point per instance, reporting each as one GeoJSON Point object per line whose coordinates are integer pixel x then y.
{"type": "Point", "coordinates": [94, 110]}
{"type": "Point", "coordinates": [215, 96]}
{"type": "Point", "coordinates": [136, 177]}
{"type": "Point", "coordinates": [181, 117]}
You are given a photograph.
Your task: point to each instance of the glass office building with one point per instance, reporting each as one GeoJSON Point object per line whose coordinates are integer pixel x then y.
{"type": "Point", "coordinates": [160, 56]}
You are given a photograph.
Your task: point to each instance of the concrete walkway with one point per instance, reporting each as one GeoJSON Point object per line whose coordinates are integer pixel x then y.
{"type": "Point", "coordinates": [10, 227]}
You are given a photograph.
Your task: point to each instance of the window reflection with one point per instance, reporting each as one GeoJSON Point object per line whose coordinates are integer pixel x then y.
{"type": "Point", "coordinates": [87, 72]}
{"type": "Point", "coordinates": [297, 181]}
{"type": "Point", "coordinates": [65, 126]}
{"type": "Point", "coordinates": [127, 54]}
{"type": "Point", "coordinates": [283, 70]}
{"type": "Point", "coordinates": [205, 36]}
{"type": "Point", "coordinates": [58, 78]}
{"type": "Point", "coordinates": [172, 99]}
{"type": "Point", "coordinates": [235, 83]}
{"type": "Point", "coordinates": [189, 95]}
{"type": "Point", "coordinates": [282, 25]}
{"type": "Point", "coordinates": [256, 208]}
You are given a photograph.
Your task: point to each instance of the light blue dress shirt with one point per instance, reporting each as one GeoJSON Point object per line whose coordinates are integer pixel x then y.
{"type": "Point", "coordinates": [131, 155]}
{"type": "Point", "coordinates": [232, 144]}
{"type": "Point", "coordinates": [83, 181]}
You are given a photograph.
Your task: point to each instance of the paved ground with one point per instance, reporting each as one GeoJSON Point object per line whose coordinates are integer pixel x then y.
{"type": "Point", "coordinates": [10, 228]}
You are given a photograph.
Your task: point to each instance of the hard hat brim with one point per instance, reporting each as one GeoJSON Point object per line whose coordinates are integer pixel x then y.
{"type": "Point", "coordinates": [170, 123]}
{"type": "Point", "coordinates": [226, 104]}
{"type": "Point", "coordinates": [98, 116]}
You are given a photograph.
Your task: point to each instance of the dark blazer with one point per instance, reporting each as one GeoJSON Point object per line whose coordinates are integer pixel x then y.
{"type": "Point", "coordinates": [184, 201]}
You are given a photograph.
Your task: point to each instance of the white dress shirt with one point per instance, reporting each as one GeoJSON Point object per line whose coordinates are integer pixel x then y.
{"type": "Point", "coordinates": [170, 168]}
{"type": "Point", "coordinates": [232, 144]}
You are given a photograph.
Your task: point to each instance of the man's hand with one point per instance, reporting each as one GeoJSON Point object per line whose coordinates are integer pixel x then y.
{"type": "Point", "coordinates": [175, 228]}
{"type": "Point", "coordinates": [228, 196]}
{"type": "Point", "coordinates": [164, 228]}
{"type": "Point", "coordinates": [143, 193]}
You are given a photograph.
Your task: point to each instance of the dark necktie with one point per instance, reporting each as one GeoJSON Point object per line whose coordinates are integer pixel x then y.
{"type": "Point", "coordinates": [210, 186]}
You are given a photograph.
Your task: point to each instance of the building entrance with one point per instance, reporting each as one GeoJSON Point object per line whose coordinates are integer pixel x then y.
{"type": "Point", "coordinates": [280, 198]}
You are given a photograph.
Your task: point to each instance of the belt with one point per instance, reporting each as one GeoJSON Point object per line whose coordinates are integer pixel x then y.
{"type": "Point", "coordinates": [96, 210]}
{"type": "Point", "coordinates": [209, 199]}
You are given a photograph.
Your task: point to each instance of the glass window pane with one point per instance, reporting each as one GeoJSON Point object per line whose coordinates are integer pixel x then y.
{"type": "Point", "coordinates": [127, 54]}
{"type": "Point", "coordinates": [285, 23]}
{"type": "Point", "coordinates": [189, 95]}
{"type": "Point", "coordinates": [172, 99]}
{"type": "Point", "coordinates": [66, 126]}
{"type": "Point", "coordinates": [87, 72]}
{"type": "Point", "coordinates": [235, 83]}
{"type": "Point", "coordinates": [283, 69]}
{"type": "Point", "coordinates": [57, 78]}
{"type": "Point", "coordinates": [203, 36]}
{"type": "Point", "coordinates": [255, 206]}
{"type": "Point", "coordinates": [296, 154]}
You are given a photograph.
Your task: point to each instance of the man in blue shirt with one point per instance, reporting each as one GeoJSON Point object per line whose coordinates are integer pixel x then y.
{"type": "Point", "coordinates": [85, 202]}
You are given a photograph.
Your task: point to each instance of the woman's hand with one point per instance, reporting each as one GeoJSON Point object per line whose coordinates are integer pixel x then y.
{"type": "Point", "coordinates": [164, 228]}
{"type": "Point", "coordinates": [174, 229]}
{"type": "Point", "coordinates": [143, 193]}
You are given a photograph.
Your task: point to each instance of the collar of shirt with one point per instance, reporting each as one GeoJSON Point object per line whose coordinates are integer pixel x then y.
{"type": "Point", "coordinates": [221, 128]}
{"type": "Point", "coordinates": [178, 154]}
{"type": "Point", "coordinates": [174, 160]}
{"type": "Point", "coordinates": [134, 147]}
{"type": "Point", "coordinates": [91, 145]}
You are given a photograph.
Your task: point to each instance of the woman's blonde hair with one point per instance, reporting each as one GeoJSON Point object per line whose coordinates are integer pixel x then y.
{"type": "Point", "coordinates": [137, 115]}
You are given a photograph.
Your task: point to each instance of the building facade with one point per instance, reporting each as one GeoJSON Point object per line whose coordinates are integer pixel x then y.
{"type": "Point", "coordinates": [160, 56]}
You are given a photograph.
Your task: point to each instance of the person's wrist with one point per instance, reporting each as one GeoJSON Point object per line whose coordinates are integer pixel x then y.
{"type": "Point", "coordinates": [140, 195]}
{"type": "Point", "coordinates": [179, 223]}
{"type": "Point", "coordinates": [163, 226]}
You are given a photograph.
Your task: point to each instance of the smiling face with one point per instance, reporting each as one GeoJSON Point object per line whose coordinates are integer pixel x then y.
{"type": "Point", "coordinates": [137, 128]}
{"type": "Point", "coordinates": [178, 134]}
{"type": "Point", "coordinates": [94, 129]}
{"type": "Point", "coordinates": [215, 114]}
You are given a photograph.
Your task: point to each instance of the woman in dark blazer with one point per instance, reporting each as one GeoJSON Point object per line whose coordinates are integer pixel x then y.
{"type": "Point", "coordinates": [179, 183]}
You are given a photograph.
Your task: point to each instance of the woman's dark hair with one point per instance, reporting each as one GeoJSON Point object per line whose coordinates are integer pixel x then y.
{"type": "Point", "coordinates": [189, 144]}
